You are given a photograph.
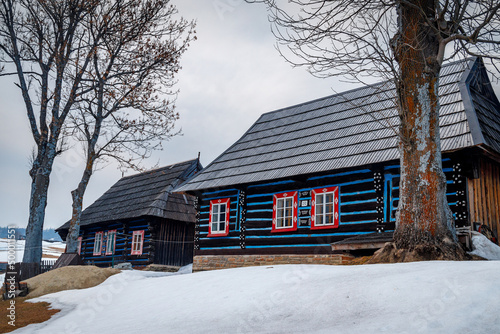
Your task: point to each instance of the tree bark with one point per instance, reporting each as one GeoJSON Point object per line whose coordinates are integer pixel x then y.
{"type": "Point", "coordinates": [77, 197]}
{"type": "Point", "coordinates": [79, 192]}
{"type": "Point", "coordinates": [40, 176]}
{"type": "Point", "coordinates": [424, 216]}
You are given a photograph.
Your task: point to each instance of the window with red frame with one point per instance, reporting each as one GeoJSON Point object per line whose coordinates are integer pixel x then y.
{"type": "Point", "coordinates": [79, 245]}
{"type": "Point", "coordinates": [137, 242]}
{"type": "Point", "coordinates": [98, 243]}
{"type": "Point", "coordinates": [219, 217]}
{"type": "Point", "coordinates": [285, 212]}
{"type": "Point", "coordinates": [325, 208]}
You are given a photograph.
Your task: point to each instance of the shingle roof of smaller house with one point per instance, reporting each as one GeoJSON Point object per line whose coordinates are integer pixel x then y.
{"type": "Point", "coordinates": [145, 194]}
{"type": "Point", "coordinates": [353, 128]}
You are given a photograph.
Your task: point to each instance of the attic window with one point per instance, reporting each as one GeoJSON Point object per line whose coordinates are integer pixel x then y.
{"type": "Point", "coordinates": [285, 212]}
{"type": "Point", "coordinates": [325, 208]}
{"type": "Point", "coordinates": [219, 217]}
{"type": "Point", "coordinates": [137, 242]}
{"type": "Point", "coordinates": [98, 243]}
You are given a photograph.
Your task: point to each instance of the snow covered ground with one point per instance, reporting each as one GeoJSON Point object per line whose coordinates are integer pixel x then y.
{"type": "Point", "coordinates": [421, 297]}
{"type": "Point", "coordinates": [484, 247]}
{"type": "Point", "coordinates": [51, 250]}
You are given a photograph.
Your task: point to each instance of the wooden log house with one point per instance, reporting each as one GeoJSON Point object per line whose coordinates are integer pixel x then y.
{"type": "Point", "coordinates": [139, 220]}
{"type": "Point", "coordinates": [305, 179]}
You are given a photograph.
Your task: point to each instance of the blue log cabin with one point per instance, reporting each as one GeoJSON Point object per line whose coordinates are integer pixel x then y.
{"type": "Point", "coordinates": [139, 220]}
{"type": "Point", "coordinates": [305, 179]}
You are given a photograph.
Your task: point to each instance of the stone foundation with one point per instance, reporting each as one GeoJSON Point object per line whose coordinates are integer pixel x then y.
{"type": "Point", "coordinates": [212, 262]}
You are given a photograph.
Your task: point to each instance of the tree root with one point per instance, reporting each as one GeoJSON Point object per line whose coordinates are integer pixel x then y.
{"type": "Point", "coordinates": [422, 252]}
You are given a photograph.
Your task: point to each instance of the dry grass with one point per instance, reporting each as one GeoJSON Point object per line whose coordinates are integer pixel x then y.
{"type": "Point", "coordinates": [358, 260]}
{"type": "Point", "coordinates": [26, 313]}
{"type": "Point", "coordinates": [66, 278]}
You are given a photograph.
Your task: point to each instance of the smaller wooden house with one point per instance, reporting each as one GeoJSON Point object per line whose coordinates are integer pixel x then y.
{"type": "Point", "coordinates": [318, 178]}
{"type": "Point", "coordinates": [139, 220]}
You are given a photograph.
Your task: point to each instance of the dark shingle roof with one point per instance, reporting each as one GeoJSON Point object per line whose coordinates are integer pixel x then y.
{"type": "Point", "coordinates": [145, 194]}
{"type": "Point", "coordinates": [350, 129]}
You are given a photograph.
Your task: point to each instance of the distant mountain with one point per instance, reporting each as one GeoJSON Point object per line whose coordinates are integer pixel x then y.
{"type": "Point", "coordinates": [48, 234]}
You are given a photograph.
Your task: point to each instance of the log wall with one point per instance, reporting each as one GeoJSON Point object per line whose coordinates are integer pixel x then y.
{"type": "Point", "coordinates": [368, 203]}
{"type": "Point", "coordinates": [484, 194]}
{"type": "Point", "coordinates": [124, 231]}
{"type": "Point", "coordinates": [173, 243]}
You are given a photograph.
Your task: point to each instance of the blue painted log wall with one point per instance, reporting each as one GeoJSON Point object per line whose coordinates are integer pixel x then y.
{"type": "Point", "coordinates": [368, 203]}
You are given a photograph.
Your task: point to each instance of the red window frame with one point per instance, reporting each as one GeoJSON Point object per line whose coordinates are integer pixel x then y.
{"type": "Point", "coordinates": [98, 250]}
{"type": "Point", "coordinates": [110, 232]}
{"type": "Point", "coordinates": [224, 233]}
{"type": "Point", "coordinates": [79, 245]}
{"type": "Point", "coordinates": [276, 197]}
{"type": "Point", "coordinates": [141, 243]}
{"type": "Point", "coordinates": [336, 207]}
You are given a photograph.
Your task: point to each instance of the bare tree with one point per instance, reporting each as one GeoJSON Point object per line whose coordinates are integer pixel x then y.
{"type": "Point", "coordinates": [39, 40]}
{"type": "Point", "coordinates": [125, 113]}
{"type": "Point", "coordinates": [406, 41]}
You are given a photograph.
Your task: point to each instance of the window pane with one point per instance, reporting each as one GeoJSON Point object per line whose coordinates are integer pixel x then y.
{"type": "Point", "coordinates": [329, 208]}
{"type": "Point", "coordinates": [329, 198]}
{"type": "Point", "coordinates": [319, 199]}
{"type": "Point", "coordinates": [319, 209]}
{"type": "Point", "coordinates": [134, 242]}
{"type": "Point", "coordinates": [288, 222]}
{"type": "Point", "coordinates": [222, 226]}
{"type": "Point", "coordinates": [214, 227]}
{"type": "Point", "coordinates": [215, 209]}
{"type": "Point", "coordinates": [288, 212]}
{"type": "Point", "coordinates": [319, 220]}
{"type": "Point", "coordinates": [289, 202]}
{"type": "Point", "coordinates": [329, 219]}
{"type": "Point", "coordinates": [280, 203]}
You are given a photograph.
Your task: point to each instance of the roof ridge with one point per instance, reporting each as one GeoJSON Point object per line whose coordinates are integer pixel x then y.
{"type": "Point", "coordinates": [367, 86]}
{"type": "Point", "coordinates": [157, 169]}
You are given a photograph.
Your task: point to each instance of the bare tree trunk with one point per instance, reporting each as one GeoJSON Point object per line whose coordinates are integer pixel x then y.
{"type": "Point", "coordinates": [77, 196]}
{"type": "Point", "coordinates": [40, 175]}
{"type": "Point", "coordinates": [424, 217]}
{"type": "Point", "coordinates": [423, 213]}
{"type": "Point", "coordinates": [79, 192]}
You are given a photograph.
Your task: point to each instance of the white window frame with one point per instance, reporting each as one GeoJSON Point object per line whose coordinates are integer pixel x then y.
{"type": "Point", "coordinates": [323, 192]}
{"type": "Point", "coordinates": [280, 208]}
{"type": "Point", "coordinates": [98, 243]}
{"type": "Point", "coordinates": [137, 242]}
{"type": "Point", "coordinates": [111, 242]}
{"type": "Point", "coordinates": [282, 219]}
{"type": "Point", "coordinates": [215, 218]}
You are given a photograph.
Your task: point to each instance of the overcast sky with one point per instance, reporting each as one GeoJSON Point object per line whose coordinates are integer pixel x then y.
{"type": "Point", "coordinates": [231, 75]}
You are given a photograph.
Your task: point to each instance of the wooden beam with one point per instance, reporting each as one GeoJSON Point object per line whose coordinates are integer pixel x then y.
{"type": "Point", "coordinates": [358, 246]}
